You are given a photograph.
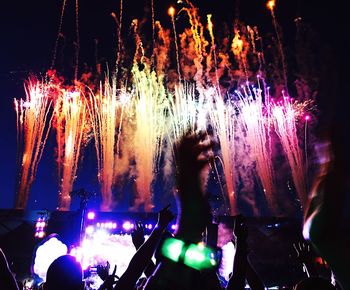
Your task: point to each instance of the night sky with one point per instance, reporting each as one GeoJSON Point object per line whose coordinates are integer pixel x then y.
{"type": "Point", "coordinates": [28, 32]}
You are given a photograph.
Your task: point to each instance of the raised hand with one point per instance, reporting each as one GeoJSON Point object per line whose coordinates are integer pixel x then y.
{"type": "Point", "coordinates": [304, 256]}
{"type": "Point", "coordinates": [110, 280]}
{"type": "Point", "coordinates": [103, 271]}
{"type": "Point", "coordinates": [303, 251]}
{"type": "Point", "coordinates": [165, 216]}
{"type": "Point", "coordinates": [193, 152]}
{"type": "Point", "coordinates": [138, 235]}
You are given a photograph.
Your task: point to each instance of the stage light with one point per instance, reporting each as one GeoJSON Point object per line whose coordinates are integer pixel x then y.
{"type": "Point", "coordinates": [41, 224]}
{"type": "Point", "coordinates": [128, 226]}
{"type": "Point", "coordinates": [174, 227]}
{"type": "Point", "coordinates": [40, 234]}
{"type": "Point", "coordinates": [91, 215]}
{"type": "Point", "coordinates": [148, 226]}
{"type": "Point", "coordinates": [90, 230]}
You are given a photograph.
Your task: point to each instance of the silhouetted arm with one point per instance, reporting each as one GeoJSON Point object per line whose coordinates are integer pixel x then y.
{"type": "Point", "coordinates": [193, 154]}
{"type": "Point", "coordinates": [144, 254]}
{"type": "Point", "coordinates": [326, 210]}
{"type": "Point", "coordinates": [237, 279]}
{"type": "Point", "coordinates": [253, 279]}
{"type": "Point", "coordinates": [7, 280]}
{"type": "Point", "coordinates": [138, 238]}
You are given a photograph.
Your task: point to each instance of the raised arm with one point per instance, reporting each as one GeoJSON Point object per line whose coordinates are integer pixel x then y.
{"type": "Point", "coordinates": [7, 280]}
{"type": "Point", "coordinates": [193, 152]}
{"type": "Point", "coordinates": [144, 254]}
{"type": "Point", "coordinates": [326, 213]}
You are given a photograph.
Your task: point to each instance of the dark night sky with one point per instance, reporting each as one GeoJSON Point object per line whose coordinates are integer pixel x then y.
{"type": "Point", "coordinates": [28, 31]}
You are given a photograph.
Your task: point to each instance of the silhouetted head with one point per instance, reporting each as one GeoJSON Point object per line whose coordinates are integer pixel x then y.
{"type": "Point", "coordinates": [313, 283]}
{"type": "Point", "coordinates": [64, 273]}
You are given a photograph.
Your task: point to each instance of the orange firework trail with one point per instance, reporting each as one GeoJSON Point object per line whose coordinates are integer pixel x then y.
{"type": "Point", "coordinates": [238, 49]}
{"type": "Point", "coordinates": [171, 12]}
{"type": "Point", "coordinates": [271, 6]}
{"type": "Point", "coordinates": [199, 44]}
{"type": "Point", "coordinates": [212, 53]}
{"type": "Point", "coordinates": [161, 50]}
{"type": "Point", "coordinates": [70, 115]}
{"type": "Point", "coordinates": [33, 126]}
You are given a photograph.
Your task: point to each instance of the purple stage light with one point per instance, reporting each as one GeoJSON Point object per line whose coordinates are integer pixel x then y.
{"type": "Point", "coordinates": [128, 226]}
{"type": "Point", "coordinates": [89, 230]}
{"type": "Point", "coordinates": [91, 215]}
{"type": "Point", "coordinates": [40, 226]}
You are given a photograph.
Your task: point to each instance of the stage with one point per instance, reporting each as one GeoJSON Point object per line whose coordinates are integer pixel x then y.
{"type": "Point", "coordinates": [270, 240]}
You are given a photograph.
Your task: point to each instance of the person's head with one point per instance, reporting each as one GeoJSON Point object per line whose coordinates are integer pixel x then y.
{"type": "Point", "coordinates": [64, 273]}
{"type": "Point", "coordinates": [312, 283]}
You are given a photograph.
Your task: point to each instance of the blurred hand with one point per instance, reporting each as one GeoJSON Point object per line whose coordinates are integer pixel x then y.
{"type": "Point", "coordinates": [303, 252]}
{"type": "Point", "coordinates": [103, 271]}
{"type": "Point", "coordinates": [110, 280]}
{"type": "Point", "coordinates": [193, 152]}
{"type": "Point", "coordinates": [165, 216]}
{"type": "Point", "coordinates": [138, 236]}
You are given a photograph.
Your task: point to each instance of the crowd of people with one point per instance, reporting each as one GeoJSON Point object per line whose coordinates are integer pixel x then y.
{"type": "Point", "coordinates": [176, 266]}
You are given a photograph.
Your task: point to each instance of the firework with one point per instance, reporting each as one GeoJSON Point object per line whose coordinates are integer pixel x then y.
{"type": "Point", "coordinates": [104, 114]}
{"type": "Point", "coordinates": [255, 124]}
{"type": "Point", "coordinates": [149, 110]}
{"type": "Point", "coordinates": [33, 126]}
{"type": "Point", "coordinates": [285, 114]}
{"type": "Point", "coordinates": [70, 121]}
{"type": "Point", "coordinates": [159, 97]}
{"type": "Point", "coordinates": [222, 116]}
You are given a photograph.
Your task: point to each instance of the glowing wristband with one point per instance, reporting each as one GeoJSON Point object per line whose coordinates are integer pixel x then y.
{"type": "Point", "coordinates": [197, 256]}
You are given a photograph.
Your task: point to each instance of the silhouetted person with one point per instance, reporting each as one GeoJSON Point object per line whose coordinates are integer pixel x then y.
{"type": "Point", "coordinates": [313, 283]}
{"type": "Point", "coordinates": [242, 270]}
{"type": "Point", "coordinates": [64, 273]}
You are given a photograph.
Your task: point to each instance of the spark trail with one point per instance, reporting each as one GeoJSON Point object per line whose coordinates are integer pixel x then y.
{"type": "Point", "coordinates": [271, 6]}
{"type": "Point", "coordinates": [284, 117]}
{"type": "Point", "coordinates": [70, 120]}
{"type": "Point", "coordinates": [149, 105]}
{"type": "Point", "coordinates": [33, 127]}
{"type": "Point", "coordinates": [222, 116]}
{"type": "Point", "coordinates": [256, 127]}
{"type": "Point", "coordinates": [104, 109]}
